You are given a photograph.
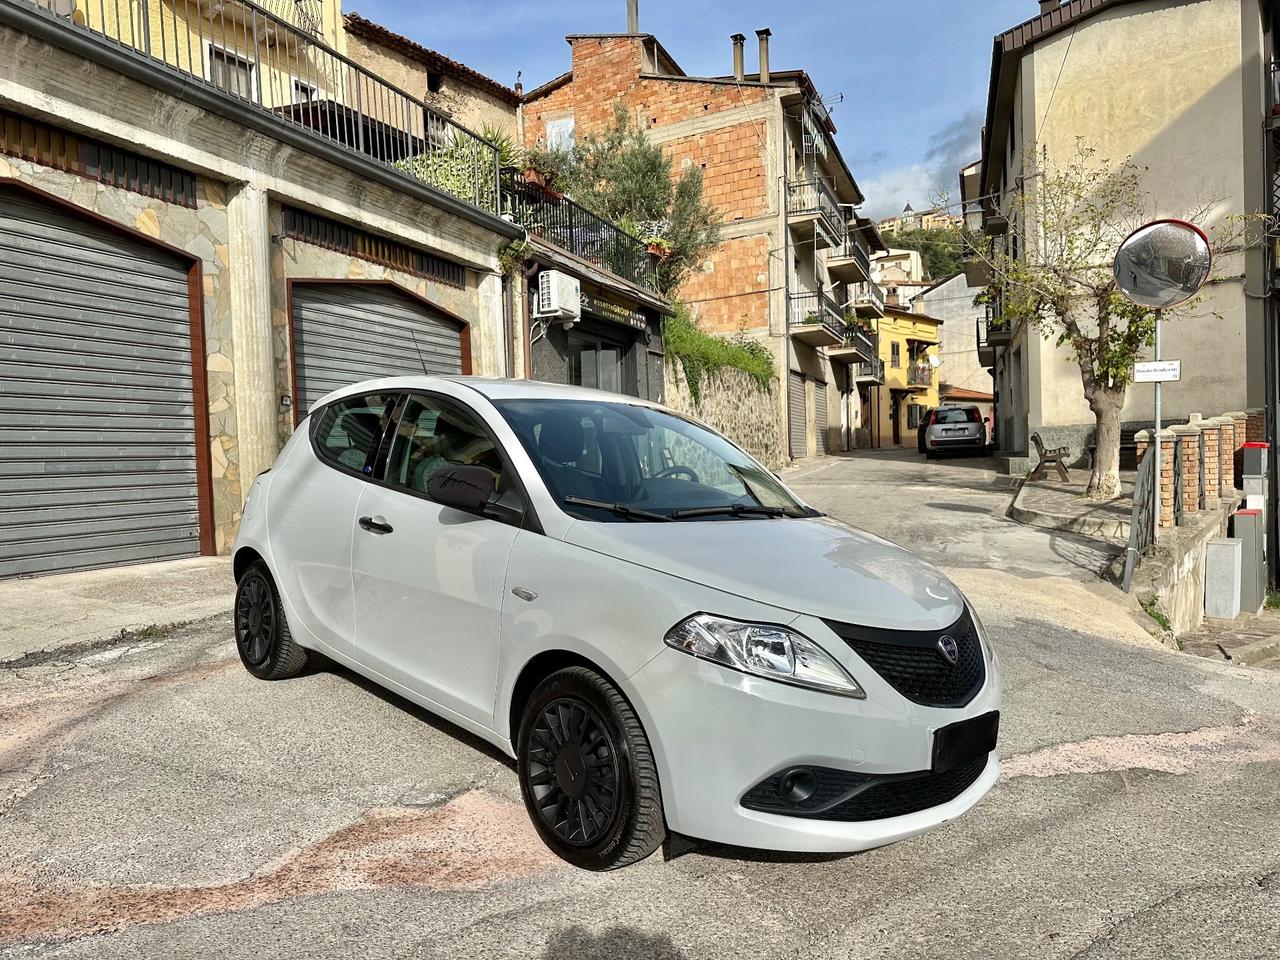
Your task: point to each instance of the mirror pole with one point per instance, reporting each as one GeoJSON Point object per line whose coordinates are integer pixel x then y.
{"type": "Point", "coordinates": [1157, 487]}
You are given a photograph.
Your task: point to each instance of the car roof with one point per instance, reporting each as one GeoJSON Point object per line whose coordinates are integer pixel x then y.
{"type": "Point", "coordinates": [493, 388]}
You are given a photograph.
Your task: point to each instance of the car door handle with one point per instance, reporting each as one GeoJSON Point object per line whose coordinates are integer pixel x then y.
{"type": "Point", "coordinates": [376, 525]}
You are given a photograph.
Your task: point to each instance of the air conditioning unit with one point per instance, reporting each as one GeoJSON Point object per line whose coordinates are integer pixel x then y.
{"type": "Point", "coordinates": [559, 296]}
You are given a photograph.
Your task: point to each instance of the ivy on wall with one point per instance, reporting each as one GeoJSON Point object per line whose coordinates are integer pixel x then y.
{"type": "Point", "coordinates": [702, 355]}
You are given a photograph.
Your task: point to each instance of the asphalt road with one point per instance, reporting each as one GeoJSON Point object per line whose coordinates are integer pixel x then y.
{"type": "Point", "coordinates": [158, 802]}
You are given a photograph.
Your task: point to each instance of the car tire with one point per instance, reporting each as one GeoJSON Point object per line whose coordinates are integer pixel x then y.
{"type": "Point", "coordinates": [587, 772]}
{"type": "Point", "coordinates": [266, 647]}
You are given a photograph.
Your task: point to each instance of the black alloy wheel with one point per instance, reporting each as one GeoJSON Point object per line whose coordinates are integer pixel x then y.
{"type": "Point", "coordinates": [587, 772]}
{"type": "Point", "coordinates": [266, 646]}
{"type": "Point", "coordinates": [573, 772]}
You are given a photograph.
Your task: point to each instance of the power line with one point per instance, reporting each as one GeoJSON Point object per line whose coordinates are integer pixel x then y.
{"type": "Point", "coordinates": [1061, 66]}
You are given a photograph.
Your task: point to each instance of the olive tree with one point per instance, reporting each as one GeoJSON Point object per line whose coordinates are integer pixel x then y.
{"type": "Point", "coordinates": [1053, 273]}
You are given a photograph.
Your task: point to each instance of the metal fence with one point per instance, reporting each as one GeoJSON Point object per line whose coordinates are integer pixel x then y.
{"type": "Point", "coordinates": [809, 309]}
{"type": "Point", "coordinates": [814, 196]}
{"type": "Point", "coordinates": [1141, 518]}
{"type": "Point", "coordinates": [577, 230]}
{"type": "Point", "coordinates": [275, 63]}
{"type": "Point", "coordinates": [853, 249]}
{"type": "Point", "coordinates": [869, 292]}
{"type": "Point", "coordinates": [920, 376]}
{"type": "Point", "coordinates": [873, 371]}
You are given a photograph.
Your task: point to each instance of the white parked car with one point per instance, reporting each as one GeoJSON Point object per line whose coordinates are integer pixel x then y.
{"type": "Point", "coordinates": [662, 634]}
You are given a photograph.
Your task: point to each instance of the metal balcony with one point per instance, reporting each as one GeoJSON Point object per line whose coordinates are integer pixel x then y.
{"type": "Point", "coordinates": [920, 375]}
{"type": "Point", "coordinates": [986, 350]}
{"type": "Point", "coordinates": [815, 320]}
{"type": "Point", "coordinates": [814, 211]}
{"type": "Point", "coordinates": [872, 372]}
{"type": "Point", "coordinates": [867, 299]}
{"type": "Point", "coordinates": [275, 64]}
{"type": "Point", "coordinates": [850, 262]}
{"type": "Point", "coordinates": [577, 230]}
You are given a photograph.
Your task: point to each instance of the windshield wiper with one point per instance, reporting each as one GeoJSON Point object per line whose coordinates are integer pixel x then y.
{"type": "Point", "coordinates": [621, 509]}
{"type": "Point", "coordinates": [731, 509]}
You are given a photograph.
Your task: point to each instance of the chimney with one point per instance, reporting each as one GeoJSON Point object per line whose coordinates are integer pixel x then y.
{"type": "Point", "coordinates": [739, 65]}
{"type": "Point", "coordinates": [764, 36]}
{"type": "Point", "coordinates": [633, 16]}
{"type": "Point", "coordinates": [1048, 6]}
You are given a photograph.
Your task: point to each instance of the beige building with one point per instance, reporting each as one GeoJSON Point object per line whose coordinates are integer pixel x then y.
{"type": "Point", "coordinates": [208, 219]}
{"type": "Point", "coordinates": [1190, 110]}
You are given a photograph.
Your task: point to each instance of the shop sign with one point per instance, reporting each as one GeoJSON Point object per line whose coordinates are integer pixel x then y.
{"type": "Point", "coordinates": [608, 310]}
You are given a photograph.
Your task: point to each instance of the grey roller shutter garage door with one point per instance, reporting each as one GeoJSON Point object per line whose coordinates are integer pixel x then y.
{"type": "Point", "coordinates": [97, 421]}
{"type": "Point", "coordinates": [347, 332]}
{"type": "Point", "coordinates": [795, 415]}
{"type": "Point", "coordinates": [820, 415]}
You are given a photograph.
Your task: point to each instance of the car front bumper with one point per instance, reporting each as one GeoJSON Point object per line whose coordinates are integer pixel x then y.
{"type": "Point", "coordinates": [716, 733]}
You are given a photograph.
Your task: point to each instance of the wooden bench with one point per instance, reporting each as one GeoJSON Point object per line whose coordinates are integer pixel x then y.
{"type": "Point", "coordinates": [1128, 449]}
{"type": "Point", "coordinates": [1052, 457]}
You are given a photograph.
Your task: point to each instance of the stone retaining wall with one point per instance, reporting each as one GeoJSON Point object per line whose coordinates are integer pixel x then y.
{"type": "Point", "coordinates": [733, 403]}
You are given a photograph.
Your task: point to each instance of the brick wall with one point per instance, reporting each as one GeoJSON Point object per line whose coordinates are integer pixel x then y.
{"type": "Point", "coordinates": [731, 152]}
{"type": "Point", "coordinates": [722, 296]}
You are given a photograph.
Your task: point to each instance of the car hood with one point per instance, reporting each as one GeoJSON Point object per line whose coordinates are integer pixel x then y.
{"type": "Point", "coordinates": [815, 566]}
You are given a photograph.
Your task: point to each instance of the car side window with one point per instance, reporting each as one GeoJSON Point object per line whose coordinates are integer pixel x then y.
{"type": "Point", "coordinates": [432, 435]}
{"type": "Point", "coordinates": [349, 432]}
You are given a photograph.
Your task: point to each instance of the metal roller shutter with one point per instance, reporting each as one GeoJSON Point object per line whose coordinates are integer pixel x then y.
{"type": "Point", "coordinates": [347, 332]}
{"type": "Point", "coordinates": [820, 416]}
{"type": "Point", "coordinates": [795, 415]}
{"type": "Point", "coordinates": [97, 420]}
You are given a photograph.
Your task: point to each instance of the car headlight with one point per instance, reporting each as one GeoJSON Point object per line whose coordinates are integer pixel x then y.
{"type": "Point", "coordinates": [763, 650]}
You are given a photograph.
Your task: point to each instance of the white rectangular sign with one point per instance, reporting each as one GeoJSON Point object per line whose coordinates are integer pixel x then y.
{"type": "Point", "coordinates": [1157, 371]}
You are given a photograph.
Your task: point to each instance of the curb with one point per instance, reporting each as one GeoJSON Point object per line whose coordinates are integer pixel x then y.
{"type": "Point", "coordinates": [1084, 526]}
{"type": "Point", "coordinates": [1260, 651]}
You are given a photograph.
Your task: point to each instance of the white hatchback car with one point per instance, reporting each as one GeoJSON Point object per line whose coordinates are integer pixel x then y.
{"type": "Point", "coordinates": [662, 635]}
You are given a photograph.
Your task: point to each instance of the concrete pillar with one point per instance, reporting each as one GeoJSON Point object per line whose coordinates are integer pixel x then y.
{"type": "Point", "coordinates": [1188, 437]}
{"type": "Point", "coordinates": [249, 275]}
{"type": "Point", "coordinates": [488, 358]}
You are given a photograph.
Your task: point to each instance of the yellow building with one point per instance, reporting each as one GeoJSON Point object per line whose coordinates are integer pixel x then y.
{"type": "Point", "coordinates": [909, 349]}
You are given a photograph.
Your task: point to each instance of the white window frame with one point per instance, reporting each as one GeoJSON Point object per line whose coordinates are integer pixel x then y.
{"type": "Point", "coordinates": [211, 47]}
{"type": "Point", "coordinates": [297, 84]}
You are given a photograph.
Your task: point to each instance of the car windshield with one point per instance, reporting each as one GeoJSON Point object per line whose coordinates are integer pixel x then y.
{"type": "Point", "coordinates": [639, 463]}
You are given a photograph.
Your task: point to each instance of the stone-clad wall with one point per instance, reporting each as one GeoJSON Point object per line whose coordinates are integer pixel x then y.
{"type": "Point", "coordinates": [295, 260]}
{"type": "Point", "coordinates": [734, 404]}
{"type": "Point", "coordinates": [202, 233]}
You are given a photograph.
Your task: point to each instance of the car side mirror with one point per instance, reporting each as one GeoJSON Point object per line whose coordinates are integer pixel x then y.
{"type": "Point", "coordinates": [466, 488]}
{"type": "Point", "coordinates": [986, 419]}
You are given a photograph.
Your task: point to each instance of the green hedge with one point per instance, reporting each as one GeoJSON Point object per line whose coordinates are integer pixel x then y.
{"type": "Point", "coordinates": [701, 355]}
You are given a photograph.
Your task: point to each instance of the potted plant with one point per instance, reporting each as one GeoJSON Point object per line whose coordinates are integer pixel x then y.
{"type": "Point", "coordinates": [542, 167]}
{"type": "Point", "coordinates": [658, 246]}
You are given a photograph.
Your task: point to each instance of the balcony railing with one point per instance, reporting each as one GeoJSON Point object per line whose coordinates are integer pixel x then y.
{"type": "Point", "coordinates": [854, 249]}
{"type": "Point", "coordinates": [808, 310]}
{"type": "Point", "coordinates": [920, 375]}
{"type": "Point", "coordinates": [872, 372]}
{"type": "Point", "coordinates": [986, 349]}
{"type": "Point", "coordinates": [275, 64]}
{"type": "Point", "coordinates": [866, 342]}
{"type": "Point", "coordinates": [868, 295]}
{"type": "Point", "coordinates": [806, 197]}
{"type": "Point", "coordinates": [577, 230]}
{"type": "Point", "coordinates": [304, 14]}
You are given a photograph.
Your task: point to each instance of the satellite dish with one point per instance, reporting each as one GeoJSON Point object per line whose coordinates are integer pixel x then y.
{"type": "Point", "coordinates": [61, 8]}
{"type": "Point", "coordinates": [935, 361]}
{"type": "Point", "coordinates": [1163, 264]}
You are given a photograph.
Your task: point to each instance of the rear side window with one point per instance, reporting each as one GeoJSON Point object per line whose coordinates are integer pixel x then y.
{"type": "Point", "coordinates": [349, 432]}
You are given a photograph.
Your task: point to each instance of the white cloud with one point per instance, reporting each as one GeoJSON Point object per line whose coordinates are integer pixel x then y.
{"type": "Point", "coordinates": [888, 193]}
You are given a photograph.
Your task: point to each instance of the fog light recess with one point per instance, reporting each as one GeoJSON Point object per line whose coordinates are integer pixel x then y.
{"type": "Point", "coordinates": [797, 785]}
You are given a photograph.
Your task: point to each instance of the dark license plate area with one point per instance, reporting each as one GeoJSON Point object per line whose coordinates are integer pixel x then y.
{"type": "Point", "coordinates": [961, 742]}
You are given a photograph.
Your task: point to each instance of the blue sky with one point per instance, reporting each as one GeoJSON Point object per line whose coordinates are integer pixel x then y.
{"type": "Point", "coordinates": [913, 72]}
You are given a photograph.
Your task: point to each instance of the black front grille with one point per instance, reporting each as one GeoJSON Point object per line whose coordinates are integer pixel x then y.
{"type": "Point", "coordinates": [912, 662]}
{"type": "Point", "coordinates": [853, 797]}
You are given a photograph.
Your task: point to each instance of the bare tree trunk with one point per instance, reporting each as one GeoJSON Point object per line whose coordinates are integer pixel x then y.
{"type": "Point", "coordinates": [1104, 482]}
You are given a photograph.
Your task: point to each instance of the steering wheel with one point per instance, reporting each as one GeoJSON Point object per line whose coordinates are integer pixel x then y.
{"type": "Point", "coordinates": [672, 471]}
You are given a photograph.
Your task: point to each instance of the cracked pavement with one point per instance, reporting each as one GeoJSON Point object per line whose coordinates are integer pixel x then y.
{"type": "Point", "coordinates": [156, 801]}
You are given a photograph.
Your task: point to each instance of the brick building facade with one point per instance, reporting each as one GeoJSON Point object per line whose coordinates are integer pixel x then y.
{"type": "Point", "coordinates": [793, 267]}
